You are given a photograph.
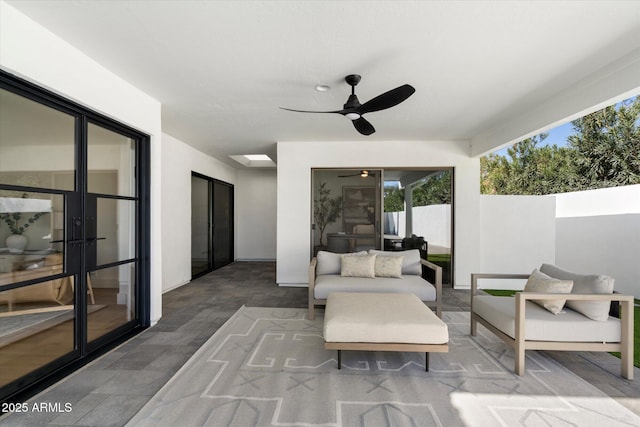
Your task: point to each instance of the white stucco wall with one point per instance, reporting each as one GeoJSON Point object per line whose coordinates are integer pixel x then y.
{"type": "Point", "coordinates": [296, 159]}
{"type": "Point", "coordinates": [598, 232]}
{"type": "Point", "coordinates": [32, 52]}
{"type": "Point", "coordinates": [517, 235]}
{"type": "Point", "coordinates": [256, 214]}
{"type": "Point", "coordinates": [178, 161]}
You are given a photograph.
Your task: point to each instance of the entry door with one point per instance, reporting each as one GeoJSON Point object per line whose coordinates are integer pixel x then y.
{"type": "Point", "coordinates": [211, 224]}
{"type": "Point", "coordinates": [74, 219]}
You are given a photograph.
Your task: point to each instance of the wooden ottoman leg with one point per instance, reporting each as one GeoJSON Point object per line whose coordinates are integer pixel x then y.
{"type": "Point", "coordinates": [339, 359]}
{"type": "Point", "coordinates": [426, 361]}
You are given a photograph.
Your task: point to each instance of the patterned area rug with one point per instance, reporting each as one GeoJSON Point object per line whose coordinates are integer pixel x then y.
{"type": "Point", "coordinates": [268, 367]}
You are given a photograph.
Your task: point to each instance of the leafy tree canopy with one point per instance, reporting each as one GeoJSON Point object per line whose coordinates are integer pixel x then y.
{"type": "Point", "coordinates": [603, 152]}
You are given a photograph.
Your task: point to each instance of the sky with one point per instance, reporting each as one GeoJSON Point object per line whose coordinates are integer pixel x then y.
{"type": "Point", "coordinates": [557, 135]}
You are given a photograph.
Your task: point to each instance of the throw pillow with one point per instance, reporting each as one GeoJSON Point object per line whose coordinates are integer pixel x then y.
{"type": "Point", "coordinates": [411, 263]}
{"type": "Point", "coordinates": [585, 284]}
{"type": "Point", "coordinates": [388, 266]}
{"type": "Point", "coordinates": [358, 266]}
{"type": "Point", "coordinates": [329, 262]}
{"type": "Point", "coordinates": [540, 282]}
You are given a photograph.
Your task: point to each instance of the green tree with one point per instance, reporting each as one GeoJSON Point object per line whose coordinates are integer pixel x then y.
{"type": "Point", "coordinates": [608, 145]}
{"type": "Point", "coordinates": [604, 152]}
{"type": "Point", "coordinates": [529, 169]}
{"type": "Point", "coordinates": [393, 199]}
{"type": "Point", "coordinates": [436, 190]}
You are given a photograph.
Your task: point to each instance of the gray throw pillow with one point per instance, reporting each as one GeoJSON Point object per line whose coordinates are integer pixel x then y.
{"type": "Point", "coordinates": [585, 284]}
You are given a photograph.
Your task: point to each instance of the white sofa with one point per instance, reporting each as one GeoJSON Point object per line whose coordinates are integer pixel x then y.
{"type": "Point", "coordinates": [582, 324]}
{"type": "Point", "coordinates": [325, 278]}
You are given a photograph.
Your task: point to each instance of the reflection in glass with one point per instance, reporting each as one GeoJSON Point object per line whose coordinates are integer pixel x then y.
{"type": "Point", "coordinates": [115, 230]}
{"type": "Point", "coordinates": [29, 223]}
{"type": "Point", "coordinates": [200, 243]}
{"type": "Point", "coordinates": [114, 304]}
{"type": "Point", "coordinates": [418, 214]}
{"type": "Point", "coordinates": [36, 144]}
{"type": "Point", "coordinates": [111, 159]}
{"type": "Point", "coordinates": [346, 210]}
{"type": "Point", "coordinates": [36, 326]}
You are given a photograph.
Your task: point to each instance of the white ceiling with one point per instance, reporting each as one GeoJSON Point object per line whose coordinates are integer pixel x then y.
{"type": "Point", "coordinates": [221, 69]}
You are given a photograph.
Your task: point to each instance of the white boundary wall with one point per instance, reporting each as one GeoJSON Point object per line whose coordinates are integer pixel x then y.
{"type": "Point", "coordinates": [598, 232]}
{"type": "Point", "coordinates": [588, 232]}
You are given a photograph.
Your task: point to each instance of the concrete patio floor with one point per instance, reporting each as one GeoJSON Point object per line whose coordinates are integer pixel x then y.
{"type": "Point", "coordinates": [110, 390]}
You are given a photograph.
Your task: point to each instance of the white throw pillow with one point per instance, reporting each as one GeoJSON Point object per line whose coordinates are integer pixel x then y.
{"type": "Point", "coordinates": [541, 283]}
{"type": "Point", "coordinates": [411, 263]}
{"type": "Point", "coordinates": [329, 262]}
{"type": "Point", "coordinates": [358, 266]}
{"type": "Point", "coordinates": [388, 266]}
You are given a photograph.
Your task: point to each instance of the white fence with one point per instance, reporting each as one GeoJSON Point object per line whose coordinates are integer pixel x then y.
{"type": "Point", "coordinates": [589, 232]}
{"type": "Point", "coordinates": [431, 222]}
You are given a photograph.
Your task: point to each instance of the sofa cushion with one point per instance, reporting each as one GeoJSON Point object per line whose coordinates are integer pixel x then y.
{"type": "Point", "coordinates": [410, 262]}
{"type": "Point", "coordinates": [330, 262]}
{"type": "Point", "coordinates": [541, 325]}
{"type": "Point", "coordinates": [585, 284]}
{"type": "Point", "coordinates": [388, 266]}
{"type": "Point", "coordinates": [541, 283]}
{"type": "Point", "coordinates": [358, 266]}
{"type": "Point", "coordinates": [410, 284]}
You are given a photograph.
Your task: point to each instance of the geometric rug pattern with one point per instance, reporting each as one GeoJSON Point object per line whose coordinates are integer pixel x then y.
{"type": "Point", "coordinates": [268, 367]}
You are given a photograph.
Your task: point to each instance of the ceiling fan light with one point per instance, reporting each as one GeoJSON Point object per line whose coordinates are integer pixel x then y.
{"type": "Point", "coordinates": [352, 116]}
{"type": "Point", "coordinates": [364, 174]}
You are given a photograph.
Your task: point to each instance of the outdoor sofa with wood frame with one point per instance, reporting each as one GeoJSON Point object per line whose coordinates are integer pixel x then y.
{"type": "Point", "coordinates": [325, 277]}
{"type": "Point", "coordinates": [524, 325]}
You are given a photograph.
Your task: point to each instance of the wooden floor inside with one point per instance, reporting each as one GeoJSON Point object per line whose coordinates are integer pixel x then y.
{"type": "Point", "coordinates": [51, 342]}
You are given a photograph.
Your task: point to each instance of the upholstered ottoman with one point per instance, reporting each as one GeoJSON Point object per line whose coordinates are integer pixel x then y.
{"type": "Point", "coordinates": [382, 322]}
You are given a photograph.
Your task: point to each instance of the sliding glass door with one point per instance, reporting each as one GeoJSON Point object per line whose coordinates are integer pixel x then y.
{"type": "Point", "coordinates": [211, 224]}
{"type": "Point", "coordinates": [73, 234]}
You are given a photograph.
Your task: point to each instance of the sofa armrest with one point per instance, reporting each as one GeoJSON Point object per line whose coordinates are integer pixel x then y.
{"type": "Point", "coordinates": [312, 283]}
{"type": "Point", "coordinates": [476, 276]}
{"type": "Point", "coordinates": [626, 320]}
{"type": "Point", "coordinates": [438, 283]}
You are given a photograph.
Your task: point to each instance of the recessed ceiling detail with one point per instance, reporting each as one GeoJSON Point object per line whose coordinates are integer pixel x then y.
{"type": "Point", "coordinates": [254, 160]}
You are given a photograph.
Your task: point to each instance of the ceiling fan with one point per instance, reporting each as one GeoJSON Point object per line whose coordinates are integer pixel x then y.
{"type": "Point", "coordinates": [363, 173]}
{"type": "Point", "coordinates": [354, 111]}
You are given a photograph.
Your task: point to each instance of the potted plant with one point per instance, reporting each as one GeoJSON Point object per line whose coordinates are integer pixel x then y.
{"type": "Point", "coordinates": [17, 224]}
{"type": "Point", "coordinates": [326, 210]}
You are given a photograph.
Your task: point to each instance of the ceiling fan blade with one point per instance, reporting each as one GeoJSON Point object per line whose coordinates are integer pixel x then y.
{"type": "Point", "coordinates": [363, 126]}
{"type": "Point", "coordinates": [307, 111]}
{"type": "Point", "coordinates": [387, 99]}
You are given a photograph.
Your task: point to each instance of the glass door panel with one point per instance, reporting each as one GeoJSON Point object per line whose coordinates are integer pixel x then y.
{"type": "Point", "coordinates": [110, 231]}
{"type": "Point", "coordinates": [111, 301]}
{"type": "Point", "coordinates": [200, 226]}
{"type": "Point", "coordinates": [222, 224]}
{"type": "Point", "coordinates": [346, 210]}
{"type": "Point", "coordinates": [36, 143]}
{"type": "Point", "coordinates": [37, 327]}
{"type": "Point", "coordinates": [111, 162]}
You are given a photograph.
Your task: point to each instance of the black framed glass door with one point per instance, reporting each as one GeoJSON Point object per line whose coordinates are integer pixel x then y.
{"type": "Point", "coordinates": [211, 224]}
{"type": "Point", "coordinates": [73, 234]}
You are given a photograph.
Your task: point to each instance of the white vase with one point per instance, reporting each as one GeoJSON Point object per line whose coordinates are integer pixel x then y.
{"type": "Point", "coordinates": [16, 243]}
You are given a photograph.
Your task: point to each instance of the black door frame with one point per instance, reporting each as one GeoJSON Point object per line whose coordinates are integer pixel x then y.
{"type": "Point", "coordinates": [83, 353]}
{"type": "Point", "coordinates": [210, 234]}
